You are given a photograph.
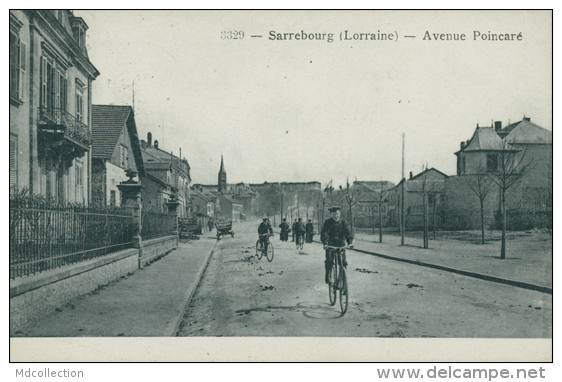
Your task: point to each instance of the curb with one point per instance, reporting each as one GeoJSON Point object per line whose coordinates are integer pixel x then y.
{"type": "Point", "coordinates": [173, 328]}
{"type": "Point", "coordinates": [499, 280]}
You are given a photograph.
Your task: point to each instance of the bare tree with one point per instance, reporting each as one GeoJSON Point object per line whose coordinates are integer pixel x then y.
{"type": "Point", "coordinates": [381, 195]}
{"type": "Point", "coordinates": [481, 186]}
{"type": "Point", "coordinates": [505, 168]}
{"type": "Point", "coordinates": [428, 186]}
{"type": "Point", "coordinates": [352, 196]}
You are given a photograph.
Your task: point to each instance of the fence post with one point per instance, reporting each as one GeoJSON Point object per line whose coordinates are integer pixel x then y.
{"type": "Point", "coordinates": [172, 205]}
{"type": "Point", "coordinates": [131, 199]}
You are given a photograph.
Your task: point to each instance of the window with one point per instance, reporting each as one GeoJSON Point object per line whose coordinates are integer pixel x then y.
{"type": "Point", "coordinates": [492, 162]}
{"type": "Point", "coordinates": [431, 198]}
{"type": "Point", "coordinates": [79, 105]}
{"type": "Point", "coordinates": [383, 209]}
{"type": "Point", "coordinates": [112, 198]}
{"type": "Point", "coordinates": [18, 54]}
{"type": "Point", "coordinates": [13, 162]}
{"type": "Point", "coordinates": [79, 176]}
{"type": "Point", "coordinates": [123, 156]}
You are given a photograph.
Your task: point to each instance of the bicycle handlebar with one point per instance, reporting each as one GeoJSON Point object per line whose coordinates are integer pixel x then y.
{"type": "Point", "coordinates": [266, 234]}
{"type": "Point", "coordinates": [350, 246]}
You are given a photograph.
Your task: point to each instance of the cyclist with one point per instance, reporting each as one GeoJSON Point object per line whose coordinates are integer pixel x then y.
{"type": "Point", "coordinates": [335, 232]}
{"type": "Point", "coordinates": [284, 236]}
{"type": "Point", "coordinates": [263, 229]}
{"type": "Point", "coordinates": [300, 230]}
{"type": "Point", "coordinates": [294, 227]}
{"type": "Point", "coordinates": [309, 231]}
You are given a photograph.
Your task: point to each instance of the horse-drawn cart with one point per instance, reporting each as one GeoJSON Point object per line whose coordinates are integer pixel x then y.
{"type": "Point", "coordinates": [224, 228]}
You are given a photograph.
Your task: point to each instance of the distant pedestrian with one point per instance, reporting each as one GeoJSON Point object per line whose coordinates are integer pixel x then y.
{"type": "Point", "coordinates": [309, 231]}
{"type": "Point", "coordinates": [284, 230]}
{"type": "Point", "coordinates": [294, 228]}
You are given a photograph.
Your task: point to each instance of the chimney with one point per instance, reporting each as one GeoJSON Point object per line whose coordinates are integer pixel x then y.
{"type": "Point", "coordinates": [528, 119]}
{"type": "Point", "coordinates": [149, 139]}
{"type": "Point", "coordinates": [156, 144]}
{"type": "Point", "coordinates": [462, 145]}
{"type": "Point", "coordinates": [411, 175]}
{"type": "Point", "coordinates": [498, 125]}
{"type": "Point", "coordinates": [143, 143]}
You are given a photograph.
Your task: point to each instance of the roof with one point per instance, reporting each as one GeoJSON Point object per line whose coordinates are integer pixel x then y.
{"type": "Point", "coordinates": [374, 186]}
{"type": "Point", "coordinates": [196, 192]}
{"type": "Point", "coordinates": [431, 185]}
{"type": "Point", "coordinates": [526, 132]}
{"type": "Point", "coordinates": [426, 171]}
{"type": "Point", "coordinates": [108, 121]}
{"type": "Point", "coordinates": [484, 139]}
{"type": "Point", "coordinates": [157, 155]}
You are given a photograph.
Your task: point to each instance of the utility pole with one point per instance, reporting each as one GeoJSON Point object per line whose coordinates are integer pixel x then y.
{"type": "Point", "coordinates": [403, 196]}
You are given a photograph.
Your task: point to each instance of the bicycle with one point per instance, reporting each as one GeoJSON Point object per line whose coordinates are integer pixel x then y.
{"type": "Point", "coordinates": [338, 279]}
{"type": "Point", "coordinates": [260, 250]}
{"type": "Point", "coordinates": [300, 241]}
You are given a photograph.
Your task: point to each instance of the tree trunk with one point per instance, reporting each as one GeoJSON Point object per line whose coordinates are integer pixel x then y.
{"type": "Point", "coordinates": [425, 223]}
{"type": "Point", "coordinates": [433, 218]}
{"type": "Point", "coordinates": [504, 224]}
{"type": "Point", "coordinates": [482, 219]}
{"type": "Point", "coordinates": [380, 225]}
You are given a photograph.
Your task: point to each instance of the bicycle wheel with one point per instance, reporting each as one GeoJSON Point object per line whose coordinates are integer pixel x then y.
{"type": "Point", "coordinates": [259, 251]}
{"type": "Point", "coordinates": [332, 286]}
{"type": "Point", "coordinates": [269, 253]}
{"type": "Point", "coordinates": [344, 291]}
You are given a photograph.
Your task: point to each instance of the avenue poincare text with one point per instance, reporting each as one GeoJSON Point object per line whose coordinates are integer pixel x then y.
{"type": "Point", "coordinates": [393, 36]}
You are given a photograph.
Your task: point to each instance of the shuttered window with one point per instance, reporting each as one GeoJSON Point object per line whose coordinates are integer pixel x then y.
{"type": "Point", "coordinates": [14, 65]}
{"type": "Point", "coordinates": [13, 162]}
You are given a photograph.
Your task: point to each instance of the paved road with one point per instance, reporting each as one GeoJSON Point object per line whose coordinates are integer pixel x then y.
{"type": "Point", "coordinates": [242, 296]}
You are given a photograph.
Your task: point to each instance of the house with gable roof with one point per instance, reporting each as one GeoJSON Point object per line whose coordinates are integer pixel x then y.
{"type": "Point", "coordinates": [115, 150]}
{"type": "Point", "coordinates": [167, 178]}
{"type": "Point", "coordinates": [528, 201]}
{"type": "Point", "coordinates": [367, 210]}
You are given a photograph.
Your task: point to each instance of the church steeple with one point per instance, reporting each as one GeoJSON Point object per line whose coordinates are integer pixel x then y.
{"type": "Point", "coordinates": [222, 177]}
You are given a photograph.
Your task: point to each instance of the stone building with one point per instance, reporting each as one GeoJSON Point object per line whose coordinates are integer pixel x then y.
{"type": "Point", "coordinates": [372, 196]}
{"type": "Point", "coordinates": [428, 185]}
{"type": "Point", "coordinates": [50, 104]}
{"type": "Point", "coordinates": [167, 178]}
{"type": "Point", "coordinates": [529, 201]}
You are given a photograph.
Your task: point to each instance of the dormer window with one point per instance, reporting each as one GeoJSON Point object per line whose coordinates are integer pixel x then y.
{"type": "Point", "coordinates": [79, 28]}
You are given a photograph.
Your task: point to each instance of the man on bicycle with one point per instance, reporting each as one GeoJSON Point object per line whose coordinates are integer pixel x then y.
{"type": "Point", "coordinates": [300, 230]}
{"type": "Point", "coordinates": [265, 229]}
{"type": "Point", "coordinates": [335, 232]}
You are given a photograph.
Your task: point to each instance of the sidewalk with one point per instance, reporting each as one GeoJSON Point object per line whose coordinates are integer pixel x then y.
{"type": "Point", "coordinates": [528, 259]}
{"type": "Point", "coordinates": [147, 303]}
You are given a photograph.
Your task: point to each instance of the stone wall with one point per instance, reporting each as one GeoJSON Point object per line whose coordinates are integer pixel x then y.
{"type": "Point", "coordinates": [33, 296]}
{"type": "Point", "coordinates": [37, 295]}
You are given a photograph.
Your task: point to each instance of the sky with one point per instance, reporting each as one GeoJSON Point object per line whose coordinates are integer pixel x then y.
{"type": "Point", "coordinates": [313, 110]}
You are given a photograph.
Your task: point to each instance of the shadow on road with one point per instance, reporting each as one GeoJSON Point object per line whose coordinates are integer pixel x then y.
{"type": "Point", "coordinates": [319, 311]}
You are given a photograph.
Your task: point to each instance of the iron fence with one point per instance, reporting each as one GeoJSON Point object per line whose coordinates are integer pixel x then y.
{"type": "Point", "coordinates": [157, 224]}
{"type": "Point", "coordinates": [45, 235]}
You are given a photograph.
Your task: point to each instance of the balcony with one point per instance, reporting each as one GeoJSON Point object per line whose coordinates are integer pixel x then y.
{"type": "Point", "coordinates": [59, 130]}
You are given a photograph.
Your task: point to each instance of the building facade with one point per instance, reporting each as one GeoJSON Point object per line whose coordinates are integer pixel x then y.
{"type": "Point", "coordinates": [115, 150]}
{"type": "Point", "coordinates": [167, 178]}
{"type": "Point", "coordinates": [50, 105]}
{"type": "Point", "coordinates": [521, 150]}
